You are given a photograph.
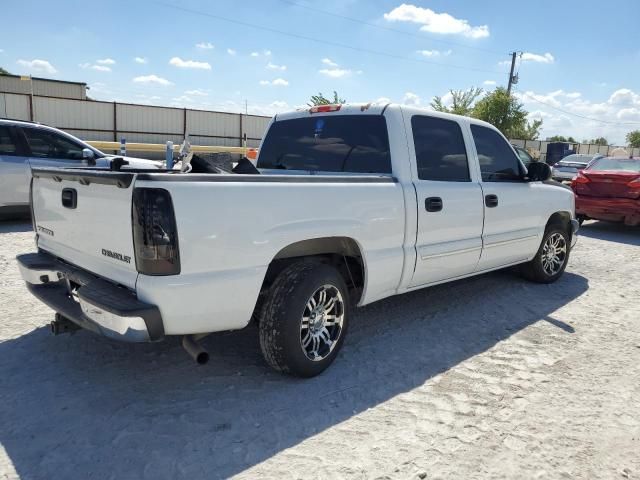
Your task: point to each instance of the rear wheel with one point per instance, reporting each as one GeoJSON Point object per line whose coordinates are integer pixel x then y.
{"type": "Point", "coordinates": [304, 319]}
{"type": "Point", "coordinates": [552, 257]}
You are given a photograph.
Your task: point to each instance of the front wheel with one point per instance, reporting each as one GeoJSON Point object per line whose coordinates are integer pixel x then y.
{"type": "Point", "coordinates": [304, 319]}
{"type": "Point", "coordinates": [552, 257]}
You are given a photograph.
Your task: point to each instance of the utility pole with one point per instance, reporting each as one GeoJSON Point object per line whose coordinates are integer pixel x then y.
{"type": "Point", "coordinates": [512, 78]}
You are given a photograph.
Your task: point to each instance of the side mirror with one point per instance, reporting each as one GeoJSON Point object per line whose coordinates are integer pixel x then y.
{"type": "Point", "coordinates": [538, 172]}
{"type": "Point", "coordinates": [89, 156]}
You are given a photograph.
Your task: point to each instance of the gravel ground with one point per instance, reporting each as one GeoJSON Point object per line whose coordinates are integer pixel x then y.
{"type": "Point", "coordinates": [491, 377]}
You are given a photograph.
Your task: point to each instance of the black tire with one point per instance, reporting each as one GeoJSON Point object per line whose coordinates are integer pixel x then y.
{"type": "Point", "coordinates": [282, 312]}
{"type": "Point", "coordinates": [535, 270]}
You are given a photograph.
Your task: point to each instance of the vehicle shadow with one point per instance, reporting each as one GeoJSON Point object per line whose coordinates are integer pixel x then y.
{"type": "Point", "coordinates": [611, 232]}
{"type": "Point", "coordinates": [14, 226]}
{"type": "Point", "coordinates": [80, 406]}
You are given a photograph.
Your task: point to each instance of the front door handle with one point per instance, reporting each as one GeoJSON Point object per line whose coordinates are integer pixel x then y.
{"type": "Point", "coordinates": [433, 204]}
{"type": "Point", "coordinates": [491, 200]}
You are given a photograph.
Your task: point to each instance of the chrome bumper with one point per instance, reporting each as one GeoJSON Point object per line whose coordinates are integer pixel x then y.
{"type": "Point", "coordinates": [89, 301]}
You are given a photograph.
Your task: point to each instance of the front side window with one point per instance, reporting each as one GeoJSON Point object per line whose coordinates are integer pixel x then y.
{"type": "Point", "coordinates": [46, 144]}
{"type": "Point", "coordinates": [7, 145]}
{"type": "Point", "coordinates": [328, 143]}
{"type": "Point", "coordinates": [524, 156]}
{"type": "Point", "coordinates": [440, 151]}
{"type": "Point", "coordinates": [498, 162]}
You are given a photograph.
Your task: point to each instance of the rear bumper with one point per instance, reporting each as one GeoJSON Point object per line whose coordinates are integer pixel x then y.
{"type": "Point", "coordinates": [89, 301]}
{"type": "Point", "coordinates": [625, 210]}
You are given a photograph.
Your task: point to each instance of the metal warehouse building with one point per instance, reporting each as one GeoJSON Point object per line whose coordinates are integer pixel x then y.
{"type": "Point", "coordinates": [44, 87]}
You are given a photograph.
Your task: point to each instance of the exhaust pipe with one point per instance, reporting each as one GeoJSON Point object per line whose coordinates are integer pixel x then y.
{"type": "Point", "coordinates": [62, 325]}
{"type": "Point", "coordinates": [192, 345]}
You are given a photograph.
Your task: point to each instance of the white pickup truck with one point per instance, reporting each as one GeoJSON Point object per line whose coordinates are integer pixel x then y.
{"type": "Point", "coordinates": [350, 204]}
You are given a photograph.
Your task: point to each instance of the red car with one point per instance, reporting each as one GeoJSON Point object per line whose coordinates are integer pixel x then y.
{"type": "Point", "coordinates": [609, 189]}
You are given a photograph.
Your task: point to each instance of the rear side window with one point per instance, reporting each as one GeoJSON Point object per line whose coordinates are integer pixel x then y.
{"type": "Point", "coordinates": [440, 150]}
{"type": "Point", "coordinates": [340, 143]}
{"type": "Point", "coordinates": [498, 162]}
{"type": "Point", "coordinates": [7, 146]}
{"type": "Point", "coordinates": [45, 144]}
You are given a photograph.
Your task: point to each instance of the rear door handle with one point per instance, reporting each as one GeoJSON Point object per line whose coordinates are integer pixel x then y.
{"type": "Point", "coordinates": [433, 204]}
{"type": "Point", "coordinates": [491, 200]}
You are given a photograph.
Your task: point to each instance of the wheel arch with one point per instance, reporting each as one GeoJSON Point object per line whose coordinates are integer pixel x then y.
{"type": "Point", "coordinates": [344, 253]}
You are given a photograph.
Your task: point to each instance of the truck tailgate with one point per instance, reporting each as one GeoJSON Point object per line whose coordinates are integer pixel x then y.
{"type": "Point", "coordinates": [84, 218]}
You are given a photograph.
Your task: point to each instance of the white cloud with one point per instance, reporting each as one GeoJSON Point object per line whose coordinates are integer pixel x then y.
{"type": "Point", "coordinates": [489, 82]}
{"type": "Point", "coordinates": [335, 71]}
{"type": "Point", "coordinates": [278, 82]}
{"type": "Point", "coordinates": [621, 109]}
{"type": "Point", "coordinates": [205, 46]}
{"type": "Point", "coordinates": [180, 63]}
{"type": "Point", "coordinates": [106, 61]}
{"type": "Point", "coordinates": [254, 54]}
{"type": "Point", "coordinates": [383, 100]}
{"type": "Point", "coordinates": [534, 57]}
{"type": "Point", "coordinates": [99, 68]}
{"type": "Point", "coordinates": [38, 65]}
{"type": "Point", "coordinates": [152, 79]}
{"type": "Point", "coordinates": [141, 60]}
{"type": "Point", "coordinates": [231, 51]}
{"type": "Point", "coordinates": [433, 22]}
{"type": "Point", "coordinates": [411, 98]}
{"type": "Point", "coordinates": [197, 92]}
{"type": "Point", "coordinates": [267, 53]}
{"type": "Point", "coordinates": [434, 53]}
{"type": "Point", "coordinates": [273, 66]}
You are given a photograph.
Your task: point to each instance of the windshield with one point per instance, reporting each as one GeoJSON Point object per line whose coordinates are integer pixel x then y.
{"type": "Point", "coordinates": [622, 164]}
{"type": "Point", "coordinates": [340, 143]}
{"type": "Point", "coordinates": [524, 156]}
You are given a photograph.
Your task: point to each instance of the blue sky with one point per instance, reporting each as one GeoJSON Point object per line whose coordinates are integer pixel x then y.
{"type": "Point", "coordinates": [580, 58]}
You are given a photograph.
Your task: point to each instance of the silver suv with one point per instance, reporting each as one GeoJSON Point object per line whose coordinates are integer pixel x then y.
{"type": "Point", "coordinates": [24, 145]}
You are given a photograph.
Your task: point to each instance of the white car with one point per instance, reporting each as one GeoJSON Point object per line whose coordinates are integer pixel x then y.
{"type": "Point", "coordinates": [351, 204]}
{"type": "Point", "coordinates": [566, 169]}
{"type": "Point", "coordinates": [24, 145]}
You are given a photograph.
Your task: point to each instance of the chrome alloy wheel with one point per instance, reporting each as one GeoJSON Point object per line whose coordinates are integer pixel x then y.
{"type": "Point", "coordinates": [554, 254]}
{"type": "Point", "coordinates": [321, 323]}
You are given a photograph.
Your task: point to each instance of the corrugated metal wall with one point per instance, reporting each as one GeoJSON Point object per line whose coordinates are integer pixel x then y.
{"type": "Point", "coordinates": [93, 120]}
{"type": "Point", "coordinates": [541, 147]}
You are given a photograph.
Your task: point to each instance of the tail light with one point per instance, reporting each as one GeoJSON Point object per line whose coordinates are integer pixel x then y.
{"type": "Point", "coordinates": [155, 236]}
{"type": "Point", "coordinates": [580, 179]}
{"type": "Point", "coordinates": [325, 108]}
{"type": "Point", "coordinates": [634, 183]}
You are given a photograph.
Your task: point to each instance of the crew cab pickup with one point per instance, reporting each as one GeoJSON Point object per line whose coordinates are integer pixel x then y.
{"type": "Point", "coordinates": [349, 204]}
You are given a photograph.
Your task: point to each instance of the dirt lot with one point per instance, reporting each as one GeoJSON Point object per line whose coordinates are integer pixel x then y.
{"type": "Point", "coordinates": [491, 377]}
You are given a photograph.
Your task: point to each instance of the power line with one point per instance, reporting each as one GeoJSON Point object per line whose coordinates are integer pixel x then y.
{"type": "Point", "coordinates": [389, 29]}
{"type": "Point", "coordinates": [317, 40]}
{"type": "Point", "coordinates": [577, 114]}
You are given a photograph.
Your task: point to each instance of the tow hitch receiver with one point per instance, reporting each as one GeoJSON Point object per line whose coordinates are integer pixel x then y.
{"type": "Point", "coordinates": [62, 325]}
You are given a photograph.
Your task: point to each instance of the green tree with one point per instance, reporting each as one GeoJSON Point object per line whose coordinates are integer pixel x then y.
{"type": "Point", "coordinates": [320, 99]}
{"type": "Point", "coordinates": [3, 71]}
{"type": "Point", "coordinates": [599, 141]}
{"type": "Point", "coordinates": [462, 101]}
{"type": "Point", "coordinates": [507, 114]}
{"type": "Point", "coordinates": [561, 138]}
{"type": "Point", "coordinates": [633, 139]}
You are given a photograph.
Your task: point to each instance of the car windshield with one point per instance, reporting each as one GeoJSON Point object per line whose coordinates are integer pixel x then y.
{"type": "Point", "coordinates": [328, 143]}
{"type": "Point", "coordinates": [524, 156]}
{"type": "Point", "coordinates": [621, 164]}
